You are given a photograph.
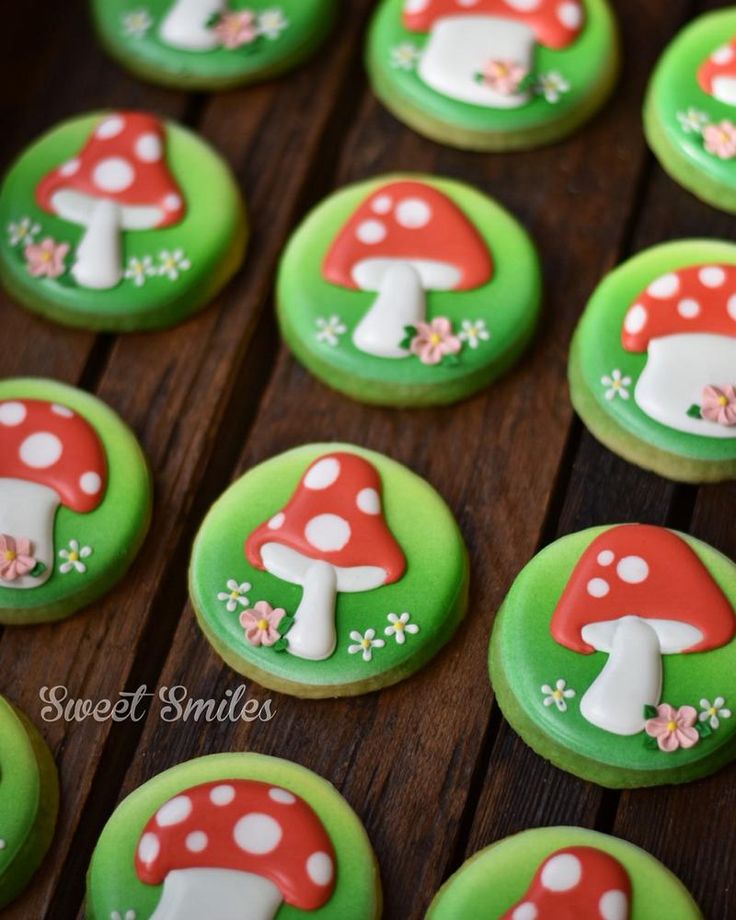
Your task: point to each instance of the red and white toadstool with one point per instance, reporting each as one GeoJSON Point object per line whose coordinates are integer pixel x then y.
{"type": "Point", "coordinates": [331, 537]}
{"type": "Point", "coordinates": [686, 323]}
{"type": "Point", "coordinates": [118, 182]}
{"type": "Point", "coordinates": [466, 34]}
{"type": "Point", "coordinates": [405, 239]}
{"type": "Point", "coordinates": [49, 455]}
{"type": "Point", "coordinates": [717, 75]}
{"type": "Point", "coordinates": [236, 850]}
{"type": "Point", "coordinates": [637, 593]}
{"type": "Point", "coordinates": [186, 25]}
{"type": "Point", "coordinates": [578, 882]}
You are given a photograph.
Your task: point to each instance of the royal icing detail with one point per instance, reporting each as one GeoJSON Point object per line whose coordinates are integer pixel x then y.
{"type": "Point", "coordinates": [717, 74]}
{"type": "Point", "coordinates": [221, 845]}
{"type": "Point", "coordinates": [558, 695]}
{"type": "Point", "coordinates": [206, 25]}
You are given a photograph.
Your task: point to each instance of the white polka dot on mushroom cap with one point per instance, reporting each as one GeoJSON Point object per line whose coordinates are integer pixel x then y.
{"type": "Point", "coordinates": [172, 202]}
{"type": "Point", "coordinates": [196, 842]}
{"type": "Point", "coordinates": [614, 905]}
{"type": "Point", "coordinates": [257, 833]}
{"type": "Point", "coordinates": [371, 232]}
{"type": "Point", "coordinates": [712, 276]}
{"type": "Point", "coordinates": [277, 521]}
{"type": "Point", "coordinates": [320, 869]}
{"type": "Point", "coordinates": [222, 795]}
{"type": "Point", "coordinates": [633, 570]}
{"type": "Point", "coordinates": [113, 174]}
{"type": "Point", "coordinates": [416, 6]}
{"type": "Point", "coordinates": [149, 148]}
{"type": "Point", "coordinates": [688, 308]}
{"type": "Point", "coordinates": [369, 501]}
{"type": "Point", "coordinates": [525, 911]}
{"type": "Point", "coordinates": [598, 587]}
{"type": "Point", "coordinates": [70, 168]}
{"type": "Point", "coordinates": [523, 4]}
{"type": "Point", "coordinates": [562, 872]}
{"type": "Point", "coordinates": [12, 413]}
{"type": "Point", "coordinates": [110, 127]}
{"type": "Point", "coordinates": [570, 14]}
{"type": "Point", "coordinates": [665, 287]}
{"type": "Point", "coordinates": [282, 796]}
{"type": "Point", "coordinates": [636, 319]}
{"type": "Point", "coordinates": [90, 483]}
{"type": "Point", "coordinates": [174, 811]}
{"type": "Point", "coordinates": [41, 450]}
{"type": "Point", "coordinates": [382, 204]}
{"type": "Point", "coordinates": [328, 533]}
{"type": "Point", "coordinates": [323, 474]}
{"type": "Point", "coordinates": [722, 55]}
{"type": "Point", "coordinates": [63, 411]}
{"type": "Point", "coordinates": [413, 213]}
{"type": "Point", "coordinates": [731, 307]}
{"type": "Point", "coordinates": [148, 848]}
{"type": "Point", "coordinates": [606, 557]}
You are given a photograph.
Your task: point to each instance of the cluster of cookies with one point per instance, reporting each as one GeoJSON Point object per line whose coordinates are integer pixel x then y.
{"type": "Point", "coordinates": [331, 570]}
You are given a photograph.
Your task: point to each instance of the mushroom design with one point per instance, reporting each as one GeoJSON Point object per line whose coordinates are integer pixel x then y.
{"type": "Point", "coordinates": [466, 34]}
{"type": "Point", "coordinates": [118, 182]}
{"type": "Point", "coordinates": [405, 239]}
{"type": "Point", "coordinates": [637, 593]}
{"type": "Point", "coordinates": [186, 25]}
{"type": "Point", "coordinates": [49, 456]}
{"type": "Point", "coordinates": [581, 882]}
{"type": "Point", "coordinates": [717, 75]}
{"type": "Point", "coordinates": [235, 849]}
{"type": "Point", "coordinates": [331, 537]}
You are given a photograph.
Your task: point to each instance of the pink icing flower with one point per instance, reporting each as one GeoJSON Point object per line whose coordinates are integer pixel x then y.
{"type": "Point", "coordinates": [435, 340]}
{"type": "Point", "coordinates": [720, 139]}
{"type": "Point", "coordinates": [16, 557]}
{"type": "Point", "coordinates": [233, 30]}
{"type": "Point", "coordinates": [503, 76]}
{"type": "Point", "coordinates": [46, 259]}
{"type": "Point", "coordinates": [261, 622]}
{"type": "Point", "coordinates": [673, 728]}
{"type": "Point", "coordinates": [719, 405]}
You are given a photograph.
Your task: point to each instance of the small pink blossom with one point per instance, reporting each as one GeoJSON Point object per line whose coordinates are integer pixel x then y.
{"type": "Point", "coordinates": [720, 139]}
{"type": "Point", "coordinates": [235, 29]}
{"type": "Point", "coordinates": [503, 76]}
{"type": "Point", "coordinates": [673, 728]}
{"type": "Point", "coordinates": [16, 557]}
{"type": "Point", "coordinates": [719, 405]}
{"type": "Point", "coordinates": [435, 340]}
{"type": "Point", "coordinates": [46, 259]}
{"type": "Point", "coordinates": [260, 623]}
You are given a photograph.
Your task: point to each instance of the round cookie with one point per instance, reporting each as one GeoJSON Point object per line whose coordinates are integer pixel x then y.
{"type": "Point", "coordinates": [212, 44]}
{"type": "Point", "coordinates": [408, 290]}
{"type": "Point", "coordinates": [690, 109]}
{"type": "Point", "coordinates": [214, 834]}
{"type": "Point", "coordinates": [75, 500]}
{"type": "Point", "coordinates": [614, 657]}
{"type": "Point", "coordinates": [554, 873]}
{"type": "Point", "coordinates": [493, 74]}
{"type": "Point", "coordinates": [329, 571]}
{"type": "Point", "coordinates": [119, 221]}
{"type": "Point", "coordinates": [29, 801]}
{"type": "Point", "coordinates": [653, 361]}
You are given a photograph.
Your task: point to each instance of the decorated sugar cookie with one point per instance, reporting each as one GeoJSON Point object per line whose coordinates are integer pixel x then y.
{"type": "Point", "coordinates": [119, 221]}
{"type": "Point", "coordinates": [653, 361]}
{"type": "Point", "coordinates": [613, 656]}
{"type": "Point", "coordinates": [408, 290]}
{"type": "Point", "coordinates": [29, 799]}
{"type": "Point", "coordinates": [493, 74]}
{"type": "Point", "coordinates": [690, 111]}
{"type": "Point", "coordinates": [561, 873]}
{"type": "Point", "coordinates": [329, 571]}
{"type": "Point", "coordinates": [234, 835]}
{"type": "Point", "coordinates": [75, 499]}
{"type": "Point", "coordinates": [212, 44]}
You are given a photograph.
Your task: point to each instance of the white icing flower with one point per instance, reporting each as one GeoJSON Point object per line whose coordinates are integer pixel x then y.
{"type": "Point", "coordinates": [139, 269]}
{"type": "Point", "coordinates": [271, 23]}
{"type": "Point", "coordinates": [329, 330]}
{"type": "Point", "coordinates": [172, 263]}
{"type": "Point", "coordinates": [365, 643]}
{"type": "Point", "coordinates": [73, 558]}
{"type": "Point", "coordinates": [552, 86]}
{"type": "Point", "coordinates": [557, 695]}
{"type": "Point", "coordinates": [473, 332]}
{"type": "Point", "coordinates": [693, 121]}
{"type": "Point", "coordinates": [715, 712]}
{"type": "Point", "coordinates": [23, 231]}
{"type": "Point", "coordinates": [136, 23]}
{"type": "Point", "coordinates": [405, 56]}
{"type": "Point", "coordinates": [128, 915]}
{"type": "Point", "coordinates": [616, 385]}
{"type": "Point", "coordinates": [235, 594]}
{"type": "Point", "coordinates": [400, 625]}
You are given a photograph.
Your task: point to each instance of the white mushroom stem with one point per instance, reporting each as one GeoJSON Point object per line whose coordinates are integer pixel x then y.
{"type": "Point", "coordinates": [28, 509]}
{"type": "Point", "coordinates": [217, 894]}
{"type": "Point", "coordinates": [401, 302]}
{"type": "Point", "coordinates": [99, 254]}
{"type": "Point", "coordinates": [313, 634]}
{"type": "Point", "coordinates": [630, 680]}
{"type": "Point", "coordinates": [185, 26]}
{"type": "Point", "coordinates": [460, 47]}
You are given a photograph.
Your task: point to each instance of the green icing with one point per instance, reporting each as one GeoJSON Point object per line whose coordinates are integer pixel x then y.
{"type": "Point", "coordinates": [114, 530]}
{"type": "Point", "coordinates": [433, 589]}
{"type": "Point", "coordinates": [497, 878]}
{"type": "Point", "coordinates": [112, 883]}
{"type": "Point", "coordinates": [524, 656]}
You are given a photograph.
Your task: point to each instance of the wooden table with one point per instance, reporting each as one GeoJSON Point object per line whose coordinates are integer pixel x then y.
{"type": "Point", "coordinates": [430, 765]}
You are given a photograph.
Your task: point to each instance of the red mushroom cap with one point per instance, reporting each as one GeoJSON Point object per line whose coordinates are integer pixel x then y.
{"type": "Point", "coordinates": [577, 883]}
{"type": "Point", "coordinates": [701, 298]}
{"type": "Point", "coordinates": [51, 445]}
{"type": "Point", "coordinates": [245, 826]}
{"type": "Point", "coordinates": [335, 515]}
{"type": "Point", "coordinates": [556, 23]}
{"type": "Point", "coordinates": [717, 75]}
{"type": "Point", "coordinates": [648, 572]}
{"type": "Point", "coordinates": [123, 161]}
{"type": "Point", "coordinates": [410, 221]}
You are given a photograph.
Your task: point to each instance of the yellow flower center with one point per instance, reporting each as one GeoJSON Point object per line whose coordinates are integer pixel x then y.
{"type": "Point", "coordinates": [9, 555]}
{"type": "Point", "coordinates": [435, 339]}
{"type": "Point", "coordinates": [263, 625]}
{"type": "Point", "coordinates": [46, 256]}
{"type": "Point", "coordinates": [73, 556]}
{"type": "Point", "coordinates": [235, 594]}
{"type": "Point", "coordinates": [713, 711]}
{"type": "Point", "coordinates": [366, 643]}
{"type": "Point", "coordinates": [557, 694]}
{"type": "Point", "coordinates": [722, 400]}
{"type": "Point", "coordinates": [671, 726]}
{"type": "Point", "coordinates": [398, 626]}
